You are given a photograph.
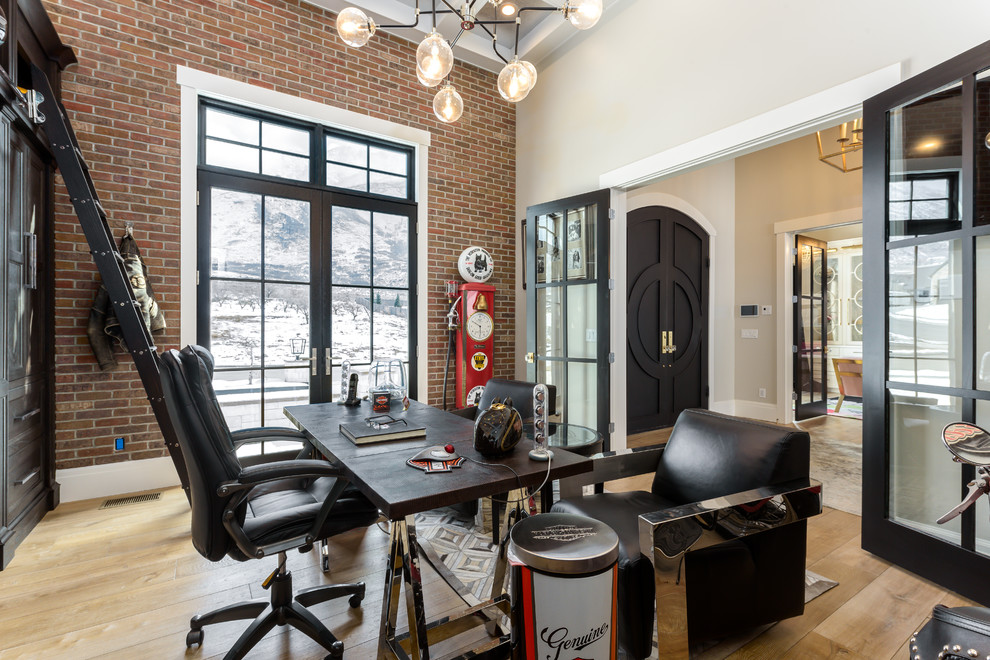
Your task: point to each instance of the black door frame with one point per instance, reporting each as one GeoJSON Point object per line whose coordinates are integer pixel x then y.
{"type": "Point", "coordinates": [603, 281]}
{"type": "Point", "coordinates": [954, 567]}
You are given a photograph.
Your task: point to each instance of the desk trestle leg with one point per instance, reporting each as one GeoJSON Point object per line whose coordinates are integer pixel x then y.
{"type": "Point", "coordinates": [390, 600]}
{"type": "Point", "coordinates": [403, 574]}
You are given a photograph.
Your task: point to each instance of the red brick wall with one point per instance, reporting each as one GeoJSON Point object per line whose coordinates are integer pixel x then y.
{"type": "Point", "coordinates": [123, 101]}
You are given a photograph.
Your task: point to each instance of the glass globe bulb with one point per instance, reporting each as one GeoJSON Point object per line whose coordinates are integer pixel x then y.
{"type": "Point", "coordinates": [434, 58]}
{"type": "Point", "coordinates": [354, 27]}
{"type": "Point", "coordinates": [448, 104]}
{"type": "Point", "coordinates": [516, 80]}
{"type": "Point", "coordinates": [427, 82]}
{"type": "Point", "coordinates": [583, 14]}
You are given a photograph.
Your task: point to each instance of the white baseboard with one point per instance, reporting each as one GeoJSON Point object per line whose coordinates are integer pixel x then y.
{"type": "Point", "coordinates": [754, 410]}
{"type": "Point", "coordinates": [96, 481]}
{"type": "Point", "coordinates": [725, 407]}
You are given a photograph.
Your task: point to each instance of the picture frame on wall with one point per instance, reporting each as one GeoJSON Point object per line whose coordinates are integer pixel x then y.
{"type": "Point", "coordinates": [576, 254]}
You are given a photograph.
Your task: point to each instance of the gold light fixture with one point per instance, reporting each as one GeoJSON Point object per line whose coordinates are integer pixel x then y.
{"type": "Point", "coordinates": [435, 57]}
{"type": "Point", "coordinates": [850, 141]}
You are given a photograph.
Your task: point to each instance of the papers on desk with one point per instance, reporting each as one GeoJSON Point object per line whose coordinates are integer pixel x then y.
{"type": "Point", "coordinates": [361, 434]}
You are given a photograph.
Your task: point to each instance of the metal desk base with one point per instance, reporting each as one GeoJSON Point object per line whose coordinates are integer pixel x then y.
{"type": "Point", "coordinates": [403, 574]}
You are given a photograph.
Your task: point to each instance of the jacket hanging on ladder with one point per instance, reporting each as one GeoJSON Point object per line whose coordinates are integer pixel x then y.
{"type": "Point", "coordinates": [104, 328]}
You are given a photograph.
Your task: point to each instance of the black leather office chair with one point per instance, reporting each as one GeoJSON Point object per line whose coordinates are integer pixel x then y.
{"type": "Point", "coordinates": [249, 512]}
{"type": "Point", "coordinates": [260, 434]}
{"type": "Point", "coordinates": [743, 563]}
{"type": "Point", "coordinates": [521, 393]}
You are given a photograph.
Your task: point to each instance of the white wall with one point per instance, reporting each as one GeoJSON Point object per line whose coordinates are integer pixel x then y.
{"type": "Point", "coordinates": [653, 75]}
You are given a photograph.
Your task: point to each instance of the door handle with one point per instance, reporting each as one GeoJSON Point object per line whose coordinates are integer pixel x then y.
{"type": "Point", "coordinates": [312, 361]}
{"type": "Point", "coordinates": [327, 362]}
{"type": "Point", "coordinates": [663, 341]}
{"type": "Point", "coordinates": [671, 347]}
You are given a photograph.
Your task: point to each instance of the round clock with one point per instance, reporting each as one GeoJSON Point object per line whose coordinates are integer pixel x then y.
{"type": "Point", "coordinates": [479, 326]}
{"type": "Point", "coordinates": [475, 264]}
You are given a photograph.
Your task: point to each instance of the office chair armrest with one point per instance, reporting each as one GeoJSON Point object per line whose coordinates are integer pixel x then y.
{"type": "Point", "coordinates": [612, 465]}
{"type": "Point", "coordinates": [467, 413]}
{"type": "Point", "coordinates": [667, 534]}
{"type": "Point", "coordinates": [263, 433]}
{"type": "Point", "coordinates": [253, 475]}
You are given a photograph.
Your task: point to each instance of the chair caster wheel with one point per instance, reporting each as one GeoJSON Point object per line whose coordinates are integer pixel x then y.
{"type": "Point", "coordinates": [336, 651]}
{"type": "Point", "coordinates": [355, 600]}
{"type": "Point", "coordinates": [194, 637]}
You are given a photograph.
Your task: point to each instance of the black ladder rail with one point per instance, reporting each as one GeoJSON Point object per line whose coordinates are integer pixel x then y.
{"type": "Point", "coordinates": [93, 219]}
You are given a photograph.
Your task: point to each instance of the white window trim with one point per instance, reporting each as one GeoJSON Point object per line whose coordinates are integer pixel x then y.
{"type": "Point", "coordinates": [196, 84]}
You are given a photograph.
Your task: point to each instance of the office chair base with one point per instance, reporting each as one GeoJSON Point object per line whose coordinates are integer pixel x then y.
{"type": "Point", "coordinates": [282, 610]}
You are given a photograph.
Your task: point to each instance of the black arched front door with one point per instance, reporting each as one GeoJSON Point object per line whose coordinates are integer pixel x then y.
{"type": "Point", "coordinates": [667, 324]}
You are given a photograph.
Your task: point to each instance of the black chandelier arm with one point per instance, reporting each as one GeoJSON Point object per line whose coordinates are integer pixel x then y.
{"type": "Point", "coordinates": [458, 36]}
{"type": "Point", "coordinates": [495, 44]}
{"type": "Point", "coordinates": [410, 25]}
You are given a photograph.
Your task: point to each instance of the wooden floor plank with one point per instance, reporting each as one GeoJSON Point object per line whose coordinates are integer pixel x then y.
{"type": "Point", "coordinates": [883, 614]}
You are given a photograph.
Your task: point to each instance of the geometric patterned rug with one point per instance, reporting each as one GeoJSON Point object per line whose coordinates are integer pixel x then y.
{"type": "Point", "coordinates": [463, 552]}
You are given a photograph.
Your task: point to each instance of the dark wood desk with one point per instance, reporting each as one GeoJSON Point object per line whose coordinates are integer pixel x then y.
{"type": "Point", "coordinates": [400, 491]}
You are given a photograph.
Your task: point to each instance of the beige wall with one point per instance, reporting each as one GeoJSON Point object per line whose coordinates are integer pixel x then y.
{"type": "Point", "coordinates": [786, 182]}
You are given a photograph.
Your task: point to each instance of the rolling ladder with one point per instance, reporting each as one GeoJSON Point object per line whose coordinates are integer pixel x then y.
{"type": "Point", "coordinates": [93, 219]}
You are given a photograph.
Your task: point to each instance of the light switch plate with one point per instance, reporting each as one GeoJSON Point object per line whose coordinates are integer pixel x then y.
{"type": "Point", "coordinates": [750, 333]}
{"type": "Point", "coordinates": [767, 310]}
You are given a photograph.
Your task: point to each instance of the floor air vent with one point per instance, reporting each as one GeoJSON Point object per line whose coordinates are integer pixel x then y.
{"type": "Point", "coordinates": [133, 499]}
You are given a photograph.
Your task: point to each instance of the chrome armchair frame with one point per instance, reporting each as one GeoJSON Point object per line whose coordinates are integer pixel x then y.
{"type": "Point", "coordinates": [666, 536]}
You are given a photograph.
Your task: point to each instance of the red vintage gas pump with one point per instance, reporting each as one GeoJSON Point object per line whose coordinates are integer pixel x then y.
{"type": "Point", "coordinates": [475, 342]}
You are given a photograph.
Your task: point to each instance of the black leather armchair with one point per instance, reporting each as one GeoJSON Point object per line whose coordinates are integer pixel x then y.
{"type": "Point", "coordinates": [249, 512]}
{"type": "Point", "coordinates": [719, 543]}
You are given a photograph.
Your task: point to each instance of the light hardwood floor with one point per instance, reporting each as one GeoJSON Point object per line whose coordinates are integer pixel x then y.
{"type": "Point", "coordinates": [122, 583]}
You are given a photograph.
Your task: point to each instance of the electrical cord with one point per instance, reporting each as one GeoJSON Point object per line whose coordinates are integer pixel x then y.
{"type": "Point", "coordinates": [518, 480]}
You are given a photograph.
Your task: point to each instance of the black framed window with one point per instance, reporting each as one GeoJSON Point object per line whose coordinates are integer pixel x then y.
{"type": "Point", "coordinates": [922, 204]}
{"type": "Point", "coordinates": [296, 275]}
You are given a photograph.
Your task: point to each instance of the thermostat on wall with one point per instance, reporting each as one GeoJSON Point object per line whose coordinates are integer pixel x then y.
{"type": "Point", "coordinates": [749, 310]}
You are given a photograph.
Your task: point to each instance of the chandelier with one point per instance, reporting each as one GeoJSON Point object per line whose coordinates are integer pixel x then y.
{"type": "Point", "coordinates": [435, 56]}
{"type": "Point", "coordinates": [850, 141]}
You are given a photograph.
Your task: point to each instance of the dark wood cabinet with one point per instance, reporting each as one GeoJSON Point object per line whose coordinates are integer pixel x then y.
{"type": "Point", "coordinates": [27, 448]}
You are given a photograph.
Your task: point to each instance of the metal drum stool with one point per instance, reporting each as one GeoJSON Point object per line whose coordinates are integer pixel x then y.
{"type": "Point", "coordinates": [563, 584]}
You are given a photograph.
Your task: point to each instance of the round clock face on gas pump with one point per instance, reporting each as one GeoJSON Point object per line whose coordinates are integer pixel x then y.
{"type": "Point", "coordinates": [480, 326]}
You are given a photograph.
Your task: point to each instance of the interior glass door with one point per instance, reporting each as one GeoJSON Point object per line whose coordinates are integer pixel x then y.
{"type": "Point", "coordinates": [926, 296]}
{"type": "Point", "coordinates": [567, 303]}
{"type": "Point", "coordinates": [812, 324]}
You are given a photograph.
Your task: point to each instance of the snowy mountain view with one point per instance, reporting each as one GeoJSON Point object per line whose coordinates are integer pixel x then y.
{"type": "Point", "coordinates": [255, 322]}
